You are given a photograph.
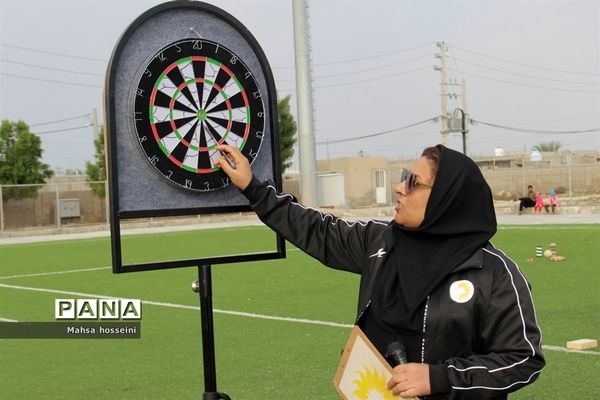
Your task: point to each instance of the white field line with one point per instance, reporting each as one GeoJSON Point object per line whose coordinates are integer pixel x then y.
{"type": "Point", "coordinates": [74, 270]}
{"type": "Point", "coordinates": [93, 235]}
{"type": "Point", "coordinates": [7, 320]}
{"type": "Point", "coordinates": [240, 314]}
{"type": "Point", "coordinates": [565, 350]}
{"type": "Point", "coordinates": [53, 273]}
{"type": "Point", "coordinates": [576, 225]}
{"type": "Point", "coordinates": [183, 306]}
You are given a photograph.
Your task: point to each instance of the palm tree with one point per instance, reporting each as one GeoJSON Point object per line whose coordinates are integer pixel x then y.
{"type": "Point", "coordinates": [552, 146]}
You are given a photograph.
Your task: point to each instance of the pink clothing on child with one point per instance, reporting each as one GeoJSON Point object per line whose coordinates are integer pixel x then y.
{"type": "Point", "coordinates": [539, 201]}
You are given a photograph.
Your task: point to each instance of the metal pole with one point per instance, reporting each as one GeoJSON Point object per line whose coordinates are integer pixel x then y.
{"type": "Point", "coordinates": [58, 205]}
{"type": "Point", "coordinates": [464, 111]}
{"type": "Point", "coordinates": [569, 162]}
{"type": "Point", "coordinates": [523, 189]}
{"type": "Point", "coordinates": [1, 211]}
{"type": "Point", "coordinates": [204, 287]}
{"type": "Point", "coordinates": [94, 118]}
{"type": "Point", "coordinates": [443, 94]}
{"type": "Point", "coordinates": [306, 132]}
{"type": "Point", "coordinates": [463, 131]}
{"type": "Point", "coordinates": [106, 201]}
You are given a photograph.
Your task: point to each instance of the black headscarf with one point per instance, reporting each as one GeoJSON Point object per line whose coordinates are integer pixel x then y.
{"type": "Point", "coordinates": [459, 220]}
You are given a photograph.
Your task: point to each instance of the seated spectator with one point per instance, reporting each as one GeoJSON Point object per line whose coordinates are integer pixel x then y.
{"type": "Point", "coordinates": [528, 200]}
{"type": "Point", "coordinates": [539, 203]}
{"type": "Point", "coordinates": [552, 201]}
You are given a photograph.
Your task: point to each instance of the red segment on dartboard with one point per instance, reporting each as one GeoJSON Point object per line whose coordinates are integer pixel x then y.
{"type": "Point", "coordinates": [193, 95]}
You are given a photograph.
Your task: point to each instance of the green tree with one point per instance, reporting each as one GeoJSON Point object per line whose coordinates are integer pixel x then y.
{"type": "Point", "coordinates": [287, 132]}
{"type": "Point", "coordinates": [20, 160]}
{"type": "Point", "coordinates": [552, 146]}
{"type": "Point", "coordinates": [96, 171]}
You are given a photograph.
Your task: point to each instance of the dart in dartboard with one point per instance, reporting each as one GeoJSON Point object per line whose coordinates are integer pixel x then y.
{"type": "Point", "coordinates": [192, 96]}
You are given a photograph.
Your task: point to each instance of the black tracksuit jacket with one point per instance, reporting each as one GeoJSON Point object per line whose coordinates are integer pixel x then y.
{"type": "Point", "coordinates": [482, 348]}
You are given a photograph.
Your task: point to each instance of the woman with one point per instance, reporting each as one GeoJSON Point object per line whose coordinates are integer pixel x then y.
{"type": "Point", "coordinates": [429, 279]}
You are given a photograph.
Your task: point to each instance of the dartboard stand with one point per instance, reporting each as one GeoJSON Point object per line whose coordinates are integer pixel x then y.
{"type": "Point", "coordinates": [203, 286]}
{"type": "Point", "coordinates": [183, 78]}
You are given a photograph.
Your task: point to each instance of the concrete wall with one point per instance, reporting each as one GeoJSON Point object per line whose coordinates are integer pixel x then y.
{"type": "Point", "coordinates": [508, 182]}
{"type": "Point", "coordinates": [507, 179]}
{"type": "Point", "coordinates": [359, 174]}
{"type": "Point", "coordinates": [40, 208]}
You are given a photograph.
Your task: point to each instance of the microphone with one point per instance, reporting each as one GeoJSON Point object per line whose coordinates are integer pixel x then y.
{"type": "Point", "coordinates": [396, 354]}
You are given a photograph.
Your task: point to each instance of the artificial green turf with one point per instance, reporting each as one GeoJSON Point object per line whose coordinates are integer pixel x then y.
{"type": "Point", "coordinates": [566, 293]}
{"type": "Point", "coordinates": [257, 358]}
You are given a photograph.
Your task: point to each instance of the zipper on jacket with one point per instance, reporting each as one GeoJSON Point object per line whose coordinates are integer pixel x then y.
{"type": "Point", "coordinates": [424, 330]}
{"type": "Point", "coordinates": [362, 312]}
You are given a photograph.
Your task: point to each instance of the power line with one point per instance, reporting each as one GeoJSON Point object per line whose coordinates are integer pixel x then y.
{"type": "Point", "coordinates": [373, 79]}
{"type": "Point", "coordinates": [433, 119]}
{"type": "Point", "coordinates": [363, 70]}
{"type": "Point", "coordinates": [52, 53]}
{"type": "Point", "coordinates": [595, 116]}
{"type": "Point", "coordinates": [29, 78]}
{"type": "Point", "coordinates": [346, 61]}
{"type": "Point", "coordinates": [525, 65]}
{"type": "Point", "coordinates": [50, 68]}
{"type": "Point", "coordinates": [372, 57]}
{"type": "Point", "coordinates": [536, 131]}
{"type": "Point", "coordinates": [576, 142]}
{"type": "Point", "coordinates": [526, 75]}
{"type": "Point", "coordinates": [524, 84]}
{"type": "Point", "coordinates": [63, 130]}
{"type": "Point", "coordinates": [364, 80]}
{"type": "Point", "coordinates": [60, 120]}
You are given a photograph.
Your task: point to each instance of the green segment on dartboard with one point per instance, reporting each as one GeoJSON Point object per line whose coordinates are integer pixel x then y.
{"type": "Point", "coordinates": [184, 60]}
{"type": "Point", "coordinates": [201, 114]}
{"type": "Point", "coordinates": [239, 85]}
{"type": "Point", "coordinates": [163, 148]}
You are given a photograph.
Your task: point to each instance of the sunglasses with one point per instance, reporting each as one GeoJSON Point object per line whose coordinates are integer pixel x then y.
{"type": "Point", "coordinates": [411, 180]}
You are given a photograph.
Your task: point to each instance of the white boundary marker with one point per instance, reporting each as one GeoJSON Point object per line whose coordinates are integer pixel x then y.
{"type": "Point", "coordinates": [240, 313]}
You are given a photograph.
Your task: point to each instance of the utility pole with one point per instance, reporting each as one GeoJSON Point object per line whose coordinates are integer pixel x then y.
{"type": "Point", "coordinates": [97, 131]}
{"type": "Point", "coordinates": [95, 127]}
{"type": "Point", "coordinates": [450, 122]}
{"type": "Point", "coordinates": [443, 92]}
{"type": "Point", "coordinates": [306, 132]}
{"type": "Point", "coordinates": [465, 130]}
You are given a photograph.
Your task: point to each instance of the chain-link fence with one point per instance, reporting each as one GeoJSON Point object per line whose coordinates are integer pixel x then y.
{"type": "Point", "coordinates": [71, 202]}
{"type": "Point", "coordinates": [367, 187]}
{"type": "Point", "coordinates": [50, 205]}
{"type": "Point", "coordinates": [571, 180]}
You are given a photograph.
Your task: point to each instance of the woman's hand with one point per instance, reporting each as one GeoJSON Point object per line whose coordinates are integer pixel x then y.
{"type": "Point", "coordinates": [410, 380]}
{"type": "Point", "coordinates": [241, 175]}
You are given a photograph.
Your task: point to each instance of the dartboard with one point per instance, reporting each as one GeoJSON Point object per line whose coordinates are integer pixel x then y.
{"type": "Point", "coordinates": [191, 96]}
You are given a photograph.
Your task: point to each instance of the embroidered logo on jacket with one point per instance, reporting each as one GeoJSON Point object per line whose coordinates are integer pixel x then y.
{"type": "Point", "coordinates": [379, 253]}
{"type": "Point", "coordinates": [462, 291]}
